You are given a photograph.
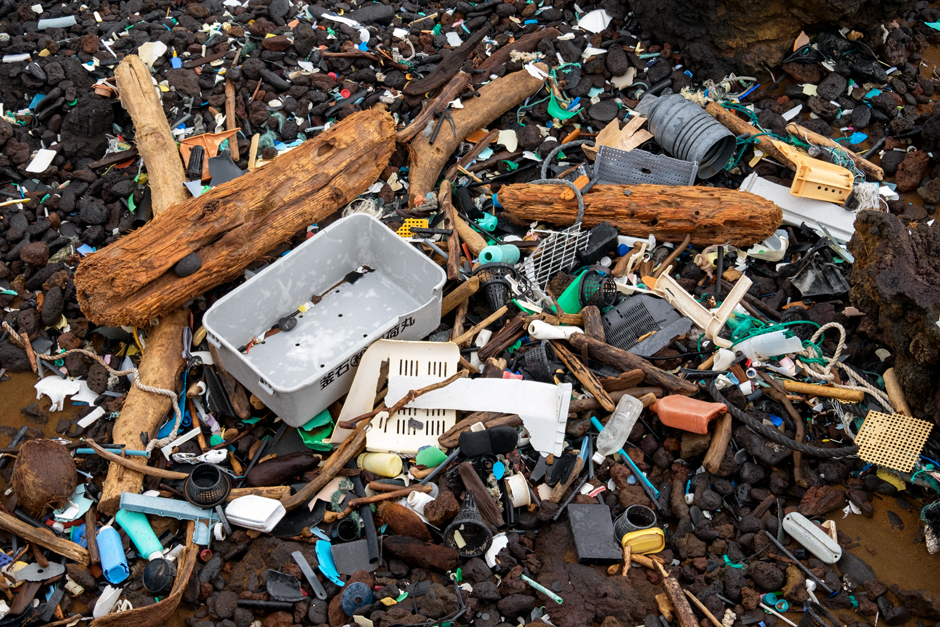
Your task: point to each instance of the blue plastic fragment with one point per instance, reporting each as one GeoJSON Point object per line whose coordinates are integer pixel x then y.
{"type": "Point", "coordinates": [355, 595]}
{"type": "Point", "coordinates": [499, 470]}
{"type": "Point", "coordinates": [176, 62]}
{"type": "Point", "coordinates": [36, 100]}
{"type": "Point", "coordinates": [327, 566]}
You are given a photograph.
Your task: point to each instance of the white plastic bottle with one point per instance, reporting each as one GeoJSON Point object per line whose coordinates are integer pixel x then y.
{"type": "Point", "coordinates": [612, 437]}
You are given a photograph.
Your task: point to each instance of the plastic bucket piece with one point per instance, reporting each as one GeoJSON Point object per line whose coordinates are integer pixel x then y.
{"type": "Point", "coordinates": [644, 541]}
{"type": "Point", "coordinates": [688, 414]}
{"type": "Point", "coordinates": [687, 132]}
{"type": "Point", "coordinates": [635, 518]}
{"type": "Point", "coordinates": [468, 533]}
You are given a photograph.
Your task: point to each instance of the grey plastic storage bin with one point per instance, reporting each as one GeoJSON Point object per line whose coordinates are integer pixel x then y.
{"type": "Point", "coordinates": [298, 373]}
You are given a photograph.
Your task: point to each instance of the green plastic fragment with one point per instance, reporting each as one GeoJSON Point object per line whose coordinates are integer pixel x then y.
{"type": "Point", "coordinates": [436, 30]}
{"type": "Point", "coordinates": [557, 111]}
{"type": "Point", "coordinates": [430, 457]}
{"type": "Point", "coordinates": [511, 165]}
{"type": "Point", "coordinates": [316, 430]}
{"type": "Point", "coordinates": [401, 597]}
{"type": "Point", "coordinates": [73, 103]}
{"type": "Point", "coordinates": [214, 439]}
{"type": "Point", "coordinates": [131, 205]}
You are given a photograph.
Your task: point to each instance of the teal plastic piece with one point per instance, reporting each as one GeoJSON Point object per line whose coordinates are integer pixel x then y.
{"type": "Point", "coordinates": [159, 506]}
{"type": "Point", "coordinates": [487, 222]}
{"type": "Point", "coordinates": [504, 253]}
{"type": "Point", "coordinates": [570, 299]}
{"type": "Point", "coordinates": [327, 566]}
{"type": "Point", "coordinates": [138, 529]}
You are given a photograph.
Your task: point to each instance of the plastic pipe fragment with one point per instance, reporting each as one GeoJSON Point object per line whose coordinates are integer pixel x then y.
{"type": "Point", "coordinates": [551, 595]}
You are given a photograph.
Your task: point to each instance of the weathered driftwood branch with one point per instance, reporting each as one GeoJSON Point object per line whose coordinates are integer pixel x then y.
{"type": "Point", "coordinates": [44, 538]}
{"type": "Point", "coordinates": [866, 166]}
{"type": "Point", "coordinates": [162, 362]}
{"type": "Point", "coordinates": [448, 67]}
{"type": "Point", "coordinates": [711, 215]}
{"type": "Point", "coordinates": [132, 281]}
{"type": "Point", "coordinates": [457, 85]}
{"type": "Point", "coordinates": [526, 43]}
{"type": "Point", "coordinates": [738, 126]}
{"type": "Point", "coordinates": [496, 98]}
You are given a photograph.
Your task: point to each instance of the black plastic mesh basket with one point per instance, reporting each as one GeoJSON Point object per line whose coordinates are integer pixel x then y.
{"type": "Point", "coordinates": [493, 283]}
{"type": "Point", "coordinates": [597, 289]}
{"type": "Point", "coordinates": [539, 361]}
{"type": "Point", "coordinates": [207, 486]}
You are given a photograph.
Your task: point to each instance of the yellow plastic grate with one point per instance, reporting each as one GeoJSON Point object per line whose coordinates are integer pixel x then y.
{"type": "Point", "coordinates": [405, 229]}
{"type": "Point", "coordinates": [892, 440]}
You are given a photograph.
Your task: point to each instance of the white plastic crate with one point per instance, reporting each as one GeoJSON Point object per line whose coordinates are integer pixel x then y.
{"type": "Point", "coordinates": [298, 373]}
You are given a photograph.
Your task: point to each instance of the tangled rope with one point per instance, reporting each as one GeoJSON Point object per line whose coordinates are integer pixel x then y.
{"type": "Point", "coordinates": [152, 444]}
{"type": "Point", "coordinates": [776, 436]}
{"type": "Point", "coordinates": [811, 355]}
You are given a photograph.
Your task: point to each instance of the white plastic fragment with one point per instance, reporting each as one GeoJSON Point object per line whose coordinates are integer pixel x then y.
{"type": "Point", "coordinates": [595, 21]}
{"type": "Point", "coordinates": [57, 388]}
{"type": "Point", "coordinates": [41, 161]}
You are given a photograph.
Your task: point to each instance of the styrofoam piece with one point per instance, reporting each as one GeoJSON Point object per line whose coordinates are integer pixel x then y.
{"type": "Point", "coordinates": [710, 323]}
{"type": "Point", "coordinates": [298, 373]}
{"type": "Point", "coordinates": [542, 407]}
{"type": "Point", "coordinates": [405, 359]}
{"type": "Point", "coordinates": [255, 512]}
{"type": "Point", "coordinates": [542, 330]}
{"type": "Point", "coordinates": [816, 541]}
{"type": "Point", "coordinates": [796, 210]}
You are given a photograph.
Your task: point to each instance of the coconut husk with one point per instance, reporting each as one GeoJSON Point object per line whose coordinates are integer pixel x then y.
{"type": "Point", "coordinates": [403, 521]}
{"type": "Point", "coordinates": [44, 476]}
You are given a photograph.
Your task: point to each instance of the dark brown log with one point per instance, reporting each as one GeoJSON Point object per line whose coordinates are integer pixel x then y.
{"type": "Point", "coordinates": [282, 468]}
{"type": "Point", "coordinates": [582, 374]}
{"type": "Point", "coordinates": [451, 64]}
{"type": "Point", "coordinates": [617, 358]}
{"type": "Point", "coordinates": [483, 497]}
{"type": "Point", "coordinates": [403, 521]}
{"type": "Point", "coordinates": [719, 444]}
{"type": "Point", "coordinates": [230, 119]}
{"type": "Point", "coordinates": [526, 43]}
{"type": "Point", "coordinates": [511, 331]}
{"type": "Point", "coordinates": [496, 98]}
{"type": "Point", "coordinates": [625, 381]}
{"type": "Point", "coordinates": [431, 108]}
{"type": "Point", "coordinates": [90, 535]}
{"type": "Point", "coordinates": [711, 215]}
{"type": "Point", "coordinates": [421, 554]}
{"type": "Point", "coordinates": [679, 602]}
{"type": "Point", "coordinates": [647, 395]}
{"type": "Point", "coordinates": [132, 281]}
{"type": "Point", "coordinates": [593, 325]}
{"type": "Point", "coordinates": [464, 291]}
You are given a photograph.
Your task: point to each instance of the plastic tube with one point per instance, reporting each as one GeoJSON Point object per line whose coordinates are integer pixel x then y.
{"type": "Point", "coordinates": [138, 529]}
{"type": "Point", "coordinates": [551, 595]}
{"type": "Point", "coordinates": [383, 464]}
{"type": "Point", "coordinates": [504, 253]}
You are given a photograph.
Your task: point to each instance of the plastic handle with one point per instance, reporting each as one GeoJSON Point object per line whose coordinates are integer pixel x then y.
{"type": "Point", "coordinates": [266, 387]}
{"type": "Point", "coordinates": [213, 340]}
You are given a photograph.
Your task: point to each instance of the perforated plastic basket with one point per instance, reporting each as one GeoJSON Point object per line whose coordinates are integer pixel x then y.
{"type": "Point", "coordinates": [639, 167]}
{"type": "Point", "coordinates": [638, 316]}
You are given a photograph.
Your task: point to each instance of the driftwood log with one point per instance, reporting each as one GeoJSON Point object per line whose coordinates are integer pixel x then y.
{"type": "Point", "coordinates": [44, 538]}
{"type": "Point", "coordinates": [736, 125]}
{"type": "Point", "coordinates": [132, 281]}
{"type": "Point", "coordinates": [711, 215]}
{"type": "Point", "coordinates": [449, 66]}
{"type": "Point", "coordinates": [496, 98]}
{"type": "Point", "coordinates": [162, 361]}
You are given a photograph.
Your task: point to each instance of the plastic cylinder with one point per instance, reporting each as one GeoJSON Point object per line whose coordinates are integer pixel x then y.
{"type": "Point", "coordinates": [635, 518]}
{"type": "Point", "coordinates": [518, 490]}
{"type": "Point", "coordinates": [688, 414]}
{"type": "Point", "coordinates": [687, 132]}
{"type": "Point", "coordinates": [113, 560]}
{"type": "Point", "coordinates": [382, 464]}
{"type": "Point", "coordinates": [138, 529]}
{"type": "Point", "coordinates": [504, 253]}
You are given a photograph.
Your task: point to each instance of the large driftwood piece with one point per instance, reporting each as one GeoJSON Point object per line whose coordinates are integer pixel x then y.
{"type": "Point", "coordinates": [526, 43]}
{"type": "Point", "coordinates": [162, 361]}
{"type": "Point", "coordinates": [44, 538]}
{"type": "Point", "coordinates": [711, 215]}
{"type": "Point", "coordinates": [496, 98]}
{"type": "Point", "coordinates": [132, 281]}
{"type": "Point", "coordinates": [739, 127]}
{"type": "Point", "coordinates": [457, 85]}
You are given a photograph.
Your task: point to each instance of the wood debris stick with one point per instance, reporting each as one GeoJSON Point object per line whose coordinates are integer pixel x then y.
{"type": "Point", "coordinates": [719, 444]}
{"type": "Point", "coordinates": [354, 444]}
{"type": "Point", "coordinates": [450, 222]}
{"type": "Point", "coordinates": [230, 118]}
{"type": "Point", "coordinates": [451, 64]}
{"type": "Point", "coordinates": [777, 392]}
{"type": "Point", "coordinates": [132, 280]}
{"type": "Point", "coordinates": [407, 398]}
{"type": "Point", "coordinates": [505, 337]}
{"type": "Point", "coordinates": [584, 375]}
{"type": "Point", "coordinates": [710, 214]}
{"type": "Point", "coordinates": [895, 393]}
{"type": "Point", "coordinates": [705, 610]}
{"type": "Point", "coordinates": [331, 517]}
{"type": "Point", "coordinates": [457, 85]}
{"type": "Point", "coordinates": [627, 554]}
{"type": "Point", "coordinates": [44, 538]}
{"type": "Point", "coordinates": [162, 361]}
{"type": "Point", "coordinates": [562, 486]}
{"type": "Point", "coordinates": [496, 98]}
{"type": "Point", "coordinates": [493, 317]}
{"type": "Point", "coordinates": [739, 127]}
{"type": "Point", "coordinates": [472, 154]}
{"type": "Point", "coordinates": [253, 152]}
{"type": "Point", "coordinates": [464, 291]}
{"type": "Point", "coordinates": [526, 43]}
{"type": "Point", "coordinates": [863, 164]}
{"type": "Point", "coordinates": [667, 262]}
{"type": "Point", "coordinates": [624, 381]}
{"type": "Point", "coordinates": [810, 389]}
{"type": "Point", "coordinates": [474, 240]}
{"type": "Point", "coordinates": [679, 603]}
{"type": "Point", "coordinates": [646, 395]}
{"type": "Point", "coordinates": [617, 358]}
{"type": "Point", "coordinates": [484, 498]}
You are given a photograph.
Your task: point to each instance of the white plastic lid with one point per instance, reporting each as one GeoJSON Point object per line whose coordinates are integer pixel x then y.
{"type": "Point", "coordinates": [598, 458]}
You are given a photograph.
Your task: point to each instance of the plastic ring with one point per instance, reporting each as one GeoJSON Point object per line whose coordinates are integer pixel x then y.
{"type": "Point", "coordinates": [782, 606]}
{"type": "Point", "coordinates": [205, 555]}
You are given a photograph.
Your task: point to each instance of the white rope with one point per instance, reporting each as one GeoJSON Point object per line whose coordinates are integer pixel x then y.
{"type": "Point", "coordinates": [152, 444]}
{"type": "Point", "coordinates": [826, 372]}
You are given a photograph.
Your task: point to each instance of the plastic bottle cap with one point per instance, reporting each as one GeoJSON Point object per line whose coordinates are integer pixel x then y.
{"type": "Point", "coordinates": [344, 93]}
{"type": "Point", "coordinates": [598, 458]}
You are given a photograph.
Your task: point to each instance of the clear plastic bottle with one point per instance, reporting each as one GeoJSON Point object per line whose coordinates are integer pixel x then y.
{"type": "Point", "coordinates": [618, 428]}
